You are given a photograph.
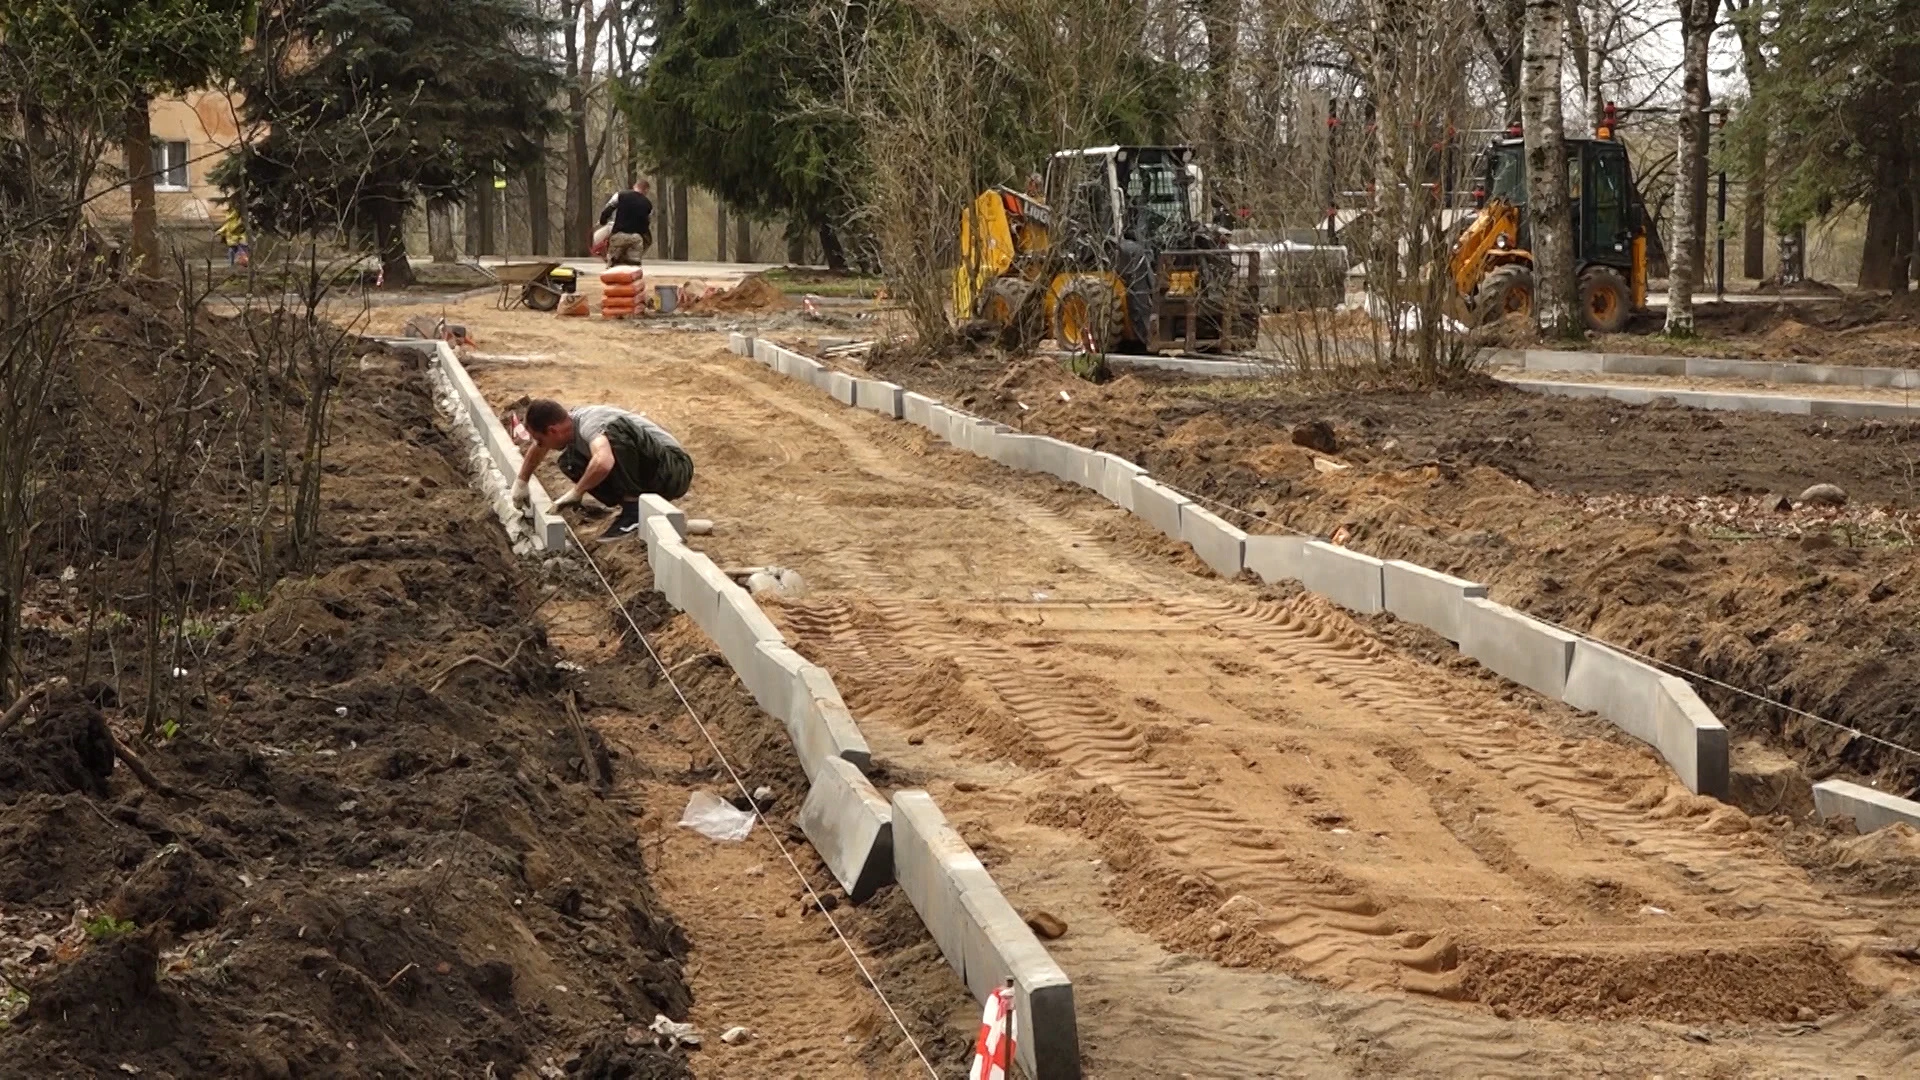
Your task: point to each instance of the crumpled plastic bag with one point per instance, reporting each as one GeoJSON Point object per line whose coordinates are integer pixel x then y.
{"type": "Point", "coordinates": [715, 818]}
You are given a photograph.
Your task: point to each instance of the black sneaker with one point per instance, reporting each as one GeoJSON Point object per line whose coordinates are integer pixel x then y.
{"type": "Point", "coordinates": [627, 524]}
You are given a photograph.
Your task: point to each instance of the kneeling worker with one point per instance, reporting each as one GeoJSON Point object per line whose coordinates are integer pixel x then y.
{"type": "Point", "coordinates": [608, 452]}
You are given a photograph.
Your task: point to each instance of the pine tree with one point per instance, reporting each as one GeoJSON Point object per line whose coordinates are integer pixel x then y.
{"type": "Point", "coordinates": [1843, 103]}
{"type": "Point", "coordinates": [371, 104]}
{"type": "Point", "coordinates": [723, 104]}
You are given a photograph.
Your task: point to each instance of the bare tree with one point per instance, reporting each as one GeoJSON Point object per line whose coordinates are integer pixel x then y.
{"type": "Point", "coordinates": [1549, 214]}
{"type": "Point", "coordinates": [582, 24]}
{"type": "Point", "coordinates": [1683, 262]}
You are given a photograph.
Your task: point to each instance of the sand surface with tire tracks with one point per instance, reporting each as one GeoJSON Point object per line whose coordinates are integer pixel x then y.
{"type": "Point", "coordinates": [1282, 845]}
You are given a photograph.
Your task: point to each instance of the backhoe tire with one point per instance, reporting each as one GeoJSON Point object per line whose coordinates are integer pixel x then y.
{"type": "Point", "coordinates": [1506, 290]}
{"type": "Point", "coordinates": [1009, 304]}
{"type": "Point", "coordinates": [1087, 318]}
{"type": "Point", "coordinates": [1605, 300]}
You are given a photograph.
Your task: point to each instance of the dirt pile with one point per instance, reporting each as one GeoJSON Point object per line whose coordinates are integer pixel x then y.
{"type": "Point", "coordinates": [383, 858]}
{"type": "Point", "coordinates": [1784, 982]}
{"type": "Point", "coordinates": [1585, 512]}
{"type": "Point", "coordinates": [754, 295]}
{"type": "Point", "coordinates": [1877, 330]}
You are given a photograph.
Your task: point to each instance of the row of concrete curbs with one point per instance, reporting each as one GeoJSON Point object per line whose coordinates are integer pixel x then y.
{"type": "Point", "coordinates": [1706, 367]}
{"type": "Point", "coordinates": [1553, 360]}
{"type": "Point", "coordinates": [868, 840]}
{"type": "Point", "coordinates": [1659, 709]}
{"type": "Point", "coordinates": [496, 458]}
{"type": "Point", "coordinates": [1842, 408]}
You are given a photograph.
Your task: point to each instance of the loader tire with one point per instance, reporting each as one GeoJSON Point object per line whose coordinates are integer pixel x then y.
{"type": "Point", "coordinates": [1507, 290]}
{"type": "Point", "coordinates": [1605, 300]}
{"type": "Point", "coordinates": [1087, 318]}
{"type": "Point", "coordinates": [1009, 304]}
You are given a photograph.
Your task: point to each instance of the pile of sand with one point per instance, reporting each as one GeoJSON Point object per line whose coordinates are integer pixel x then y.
{"type": "Point", "coordinates": [753, 294]}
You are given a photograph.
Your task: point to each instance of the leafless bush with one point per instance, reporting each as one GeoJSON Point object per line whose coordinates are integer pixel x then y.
{"type": "Point", "coordinates": [957, 98]}
{"type": "Point", "coordinates": [52, 135]}
{"type": "Point", "coordinates": [158, 463]}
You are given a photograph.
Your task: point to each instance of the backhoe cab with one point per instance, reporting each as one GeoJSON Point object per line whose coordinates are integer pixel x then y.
{"type": "Point", "coordinates": [1492, 262]}
{"type": "Point", "coordinates": [1114, 253]}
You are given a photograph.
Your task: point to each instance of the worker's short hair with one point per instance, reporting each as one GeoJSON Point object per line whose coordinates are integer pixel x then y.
{"type": "Point", "coordinates": [543, 414]}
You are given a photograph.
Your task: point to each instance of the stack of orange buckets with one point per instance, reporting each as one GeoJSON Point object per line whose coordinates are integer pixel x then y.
{"type": "Point", "coordinates": [622, 295]}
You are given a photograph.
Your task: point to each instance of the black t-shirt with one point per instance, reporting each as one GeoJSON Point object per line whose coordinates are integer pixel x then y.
{"type": "Point", "coordinates": [631, 212]}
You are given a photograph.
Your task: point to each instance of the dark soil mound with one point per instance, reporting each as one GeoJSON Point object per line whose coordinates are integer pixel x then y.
{"type": "Point", "coordinates": [382, 860]}
{"type": "Point", "coordinates": [55, 848]}
{"type": "Point", "coordinates": [67, 748]}
{"type": "Point", "coordinates": [610, 1058]}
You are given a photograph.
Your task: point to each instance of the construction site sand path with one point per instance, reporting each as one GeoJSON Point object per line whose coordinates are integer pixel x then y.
{"type": "Point", "coordinates": [1281, 847]}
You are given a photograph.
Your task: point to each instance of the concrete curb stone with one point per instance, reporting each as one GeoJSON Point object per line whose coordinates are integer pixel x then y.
{"type": "Point", "coordinates": [917, 409]}
{"type": "Point", "coordinates": [1221, 546]}
{"type": "Point", "coordinates": [1426, 597]}
{"type": "Point", "coordinates": [1611, 684]}
{"type": "Point", "coordinates": [652, 506]}
{"type": "Point", "coordinates": [774, 678]}
{"type": "Point", "coordinates": [739, 628]}
{"type": "Point", "coordinates": [549, 530]}
{"type": "Point", "coordinates": [1691, 739]}
{"type": "Point", "coordinates": [1014, 451]}
{"type": "Point", "coordinates": [1158, 506]}
{"type": "Point", "coordinates": [840, 387]}
{"type": "Point", "coordinates": [1524, 650]}
{"type": "Point", "coordinates": [999, 946]}
{"type": "Point", "coordinates": [851, 826]}
{"type": "Point", "coordinates": [1348, 578]}
{"type": "Point", "coordinates": [821, 725]}
{"type": "Point", "coordinates": [1868, 808]}
{"type": "Point", "coordinates": [934, 867]}
{"type": "Point", "coordinates": [879, 396]}
{"type": "Point", "coordinates": [1116, 479]}
{"type": "Point", "coordinates": [1275, 558]}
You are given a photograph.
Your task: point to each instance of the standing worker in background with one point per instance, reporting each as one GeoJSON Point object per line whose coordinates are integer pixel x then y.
{"type": "Point", "coordinates": [612, 454]}
{"type": "Point", "coordinates": [233, 233]}
{"type": "Point", "coordinates": [632, 215]}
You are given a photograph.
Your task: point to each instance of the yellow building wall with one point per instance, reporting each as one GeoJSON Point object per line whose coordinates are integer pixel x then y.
{"type": "Point", "coordinates": [208, 122]}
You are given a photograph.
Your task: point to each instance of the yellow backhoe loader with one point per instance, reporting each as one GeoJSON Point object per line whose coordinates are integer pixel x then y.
{"type": "Point", "coordinates": [1115, 255]}
{"type": "Point", "coordinates": [1613, 240]}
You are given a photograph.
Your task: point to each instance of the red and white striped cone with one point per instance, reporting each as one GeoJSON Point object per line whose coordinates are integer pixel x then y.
{"type": "Point", "coordinates": [993, 1053]}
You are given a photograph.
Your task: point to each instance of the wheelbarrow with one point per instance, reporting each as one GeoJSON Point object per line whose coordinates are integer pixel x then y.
{"type": "Point", "coordinates": [531, 283]}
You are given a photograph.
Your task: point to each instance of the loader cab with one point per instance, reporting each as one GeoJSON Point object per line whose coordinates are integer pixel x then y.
{"type": "Point", "coordinates": [1148, 195]}
{"type": "Point", "coordinates": [1607, 211]}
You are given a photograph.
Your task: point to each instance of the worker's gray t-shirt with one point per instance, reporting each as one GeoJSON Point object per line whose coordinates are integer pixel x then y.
{"type": "Point", "coordinates": [591, 421]}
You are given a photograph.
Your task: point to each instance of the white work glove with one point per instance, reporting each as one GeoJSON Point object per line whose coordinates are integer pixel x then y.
{"type": "Point", "coordinates": [571, 498]}
{"type": "Point", "coordinates": [521, 496]}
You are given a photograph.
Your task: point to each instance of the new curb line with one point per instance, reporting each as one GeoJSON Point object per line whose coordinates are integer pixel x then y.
{"type": "Point", "coordinates": [1673, 721]}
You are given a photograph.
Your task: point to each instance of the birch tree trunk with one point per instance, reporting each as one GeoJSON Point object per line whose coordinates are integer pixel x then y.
{"type": "Point", "coordinates": [1549, 215]}
{"type": "Point", "coordinates": [1696, 33]}
{"type": "Point", "coordinates": [1753, 214]}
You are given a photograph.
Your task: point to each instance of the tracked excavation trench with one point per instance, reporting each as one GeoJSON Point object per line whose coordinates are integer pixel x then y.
{"type": "Point", "coordinates": [1281, 845]}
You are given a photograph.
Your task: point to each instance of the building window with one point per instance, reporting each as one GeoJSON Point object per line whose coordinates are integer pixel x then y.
{"type": "Point", "coordinates": [170, 166]}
